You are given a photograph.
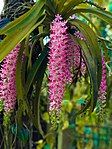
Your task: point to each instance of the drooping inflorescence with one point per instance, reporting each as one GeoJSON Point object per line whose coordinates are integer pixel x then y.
{"type": "Point", "coordinates": [8, 80]}
{"type": "Point", "coordinates": [64, 57]}
{"type": "Point", "coordinates": [102, 90]}
{"type": "Point", "coordinates": [59, 72]}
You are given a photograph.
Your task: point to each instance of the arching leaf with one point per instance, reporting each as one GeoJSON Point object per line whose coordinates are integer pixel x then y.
{"type": "Point", "coordinates": [17, 30]}
{"type": "Point", "coordinates": [34, 70]}
{"type": "Point", "coordinates": [104, 15]}
{"type": "Point", "coordinates": [69, 6]}
{"type": "Point", "coordinates": [92, 42]}
{"type": "Point", "coordinates": [36, 102]}
{"type": "Point", "coordinates": [92, 69]}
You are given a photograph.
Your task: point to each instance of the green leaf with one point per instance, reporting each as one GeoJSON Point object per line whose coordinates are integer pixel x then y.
{"type": "Point", "coordinates": [36, 102]}
{"type": "Point", "coordinates": [34, 70]}
{"type": "Point", "coordinates": [37, 38]}
{"type": "Point", "coordinates": [69, 6]}
{"type": "Point", "coordinates": [21, 98]}
{"type": "Point", "coordinates": [50, 5]}
{"type": "Point", "coordinates": [104, 15]}
{"type": "Point", "coordinates": [99, 36]}
{"type": "Point", "coordinates": [17, 30]}
{"type": "Point", "coordinates": [90, 23]}
{"type": "Point", "coordinates": [19, 86]}
{"type": "Point", "coordinates": [92, 69]}
{"type": "Point", "coordinates": [60, 5]}
{"type": "Point", "coordinates": [92, 42]}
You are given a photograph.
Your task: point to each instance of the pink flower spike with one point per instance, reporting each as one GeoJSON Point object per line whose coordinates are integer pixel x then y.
{"type": "Point", "coordinates": [102, 91]}
{"type": "Point", "coordinates": [103, 86]}
{"type": "Point", "coordinates": [7, 82]}
{"type": "Point", "coordinates": [64, 58]}
{"type": "Point", "coordinates": [59, 72]}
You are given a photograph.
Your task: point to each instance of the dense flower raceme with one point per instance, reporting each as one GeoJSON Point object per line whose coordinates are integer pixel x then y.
{"type": "Point", "coordinates": [64, 55]}
{"type": "Point", "coordinates": [58, 67]}
{"type": "Point", "coordinates": [74, 57]}
{"type": "Point", "coordinates": [7, 80]}
{"type": "Point", "coordinates": [103, 87]}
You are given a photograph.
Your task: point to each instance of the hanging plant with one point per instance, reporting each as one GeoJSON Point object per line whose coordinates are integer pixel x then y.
{"type": "Point", "coordinates": [72, 51]}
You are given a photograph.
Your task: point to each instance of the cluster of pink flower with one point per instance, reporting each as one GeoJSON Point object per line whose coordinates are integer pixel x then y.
{"type": "Point", "coordinates": [7, 80]}
{"type": "Point", "coordinates": [58, 67]}
{"type": "Point", "coordinates": [103, 86]}
{"type": "Point", "coordinates": [64, 56]}
{"type": "Point", "coordinates": [102, 90]}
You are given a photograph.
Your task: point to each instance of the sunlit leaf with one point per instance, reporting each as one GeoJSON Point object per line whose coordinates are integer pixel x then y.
{"type": "Point", "coordinates": [17, 30]}
{"type": "Point", "coordinates": [104, 15]}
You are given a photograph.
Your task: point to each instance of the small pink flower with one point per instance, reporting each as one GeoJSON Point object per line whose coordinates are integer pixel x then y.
{"type": "Point", "coordinates": [59, 73]}
{"type": "Point", "coordinates": [101, 102]}
{"type": "Point", "coordinates": [64, 58]}
{"type": "Point", "coordinates": [103, 86]}
{"type": "Point", "coordinates": [74, 58]}
{"type": "Point", "coordinates": [77, 33]}
{"type": "Point", "coordinates": [7, 82]}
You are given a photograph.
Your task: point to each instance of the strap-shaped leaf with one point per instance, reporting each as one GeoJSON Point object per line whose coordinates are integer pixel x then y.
{"type": "Point", "coordinates": [36, 101]}
{"type": "Point", "coordinates": [60, 5]}
{"type": "Point", "coordinates": [29, 63]}
{"type": "Point", "coordinates": [21, 98]}
{"type": "Point", "coordinates": [19, 86]}
{"type": "Point", "coordinates": [69, 6]}
{"type": "Point", "coordinates": [92, 69]}
{"type": "Point", "coordinates": [34, 70]}
{"type": "Point", "coordinates": [104, 15]}
{"type": "Point", "coordinates": [92, 42]}
{"type": "Point", "coordinates": [17, 30]}
{"type": "Point", "coordinates": [50, 5]}
{"type": "Point", "coordinates": [98, 35]}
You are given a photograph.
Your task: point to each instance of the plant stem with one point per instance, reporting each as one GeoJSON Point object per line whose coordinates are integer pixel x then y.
{"type": "Point", "coordinates": [6, 138]}
{"type": "Point", "coordinates": [60, 139]}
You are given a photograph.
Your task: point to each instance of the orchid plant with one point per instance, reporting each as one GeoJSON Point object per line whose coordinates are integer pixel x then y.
{"type": "Point", "coordinates": [74, 49]}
